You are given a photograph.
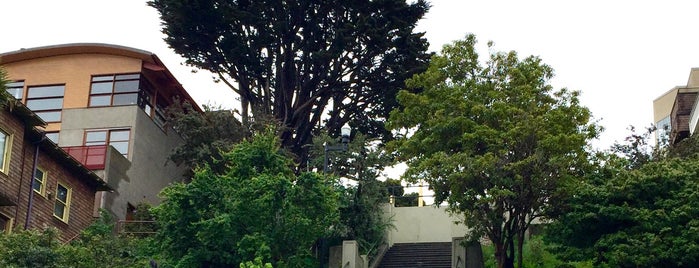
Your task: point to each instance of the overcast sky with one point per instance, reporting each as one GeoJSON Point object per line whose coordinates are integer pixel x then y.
{"type": "Point", "coordinates": [620, 54]}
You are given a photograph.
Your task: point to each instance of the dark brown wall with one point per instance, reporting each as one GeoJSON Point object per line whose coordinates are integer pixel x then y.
{"type": "Point", "coordinates": [10, 179]}
{"type": "Point", "coordinates": [19, 179]}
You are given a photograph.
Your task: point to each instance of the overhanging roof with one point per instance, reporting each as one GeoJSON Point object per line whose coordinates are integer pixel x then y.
{"type": "Point", "coordinates": [150, 61]}
{"type": "Point", "coordinates": [74, 48]}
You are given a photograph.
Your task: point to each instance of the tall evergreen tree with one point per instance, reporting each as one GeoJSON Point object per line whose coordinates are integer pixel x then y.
{"type": "Point", "coordinates": [309, 63]}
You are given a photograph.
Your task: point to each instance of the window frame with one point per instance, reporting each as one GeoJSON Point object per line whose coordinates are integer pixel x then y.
{"type": "Point", "coordinates": [7, 229]}
{"type": "Point", "coordinates": [57, 134]}
{"type": "Point", "coordinates": [6, 154]}
{"type": "Point", "coordinates": [662, 134]}
{"type": "Point", "coordinates": [66, 204]}
{"type": "Point", "coordinates": [108, 138]}
{"type": "Point", "coordinates": [148, 97]}
{"type": "Point", "coordinates": [16, 85]}
{"type": "Point", "coordinates": [113, 93]}
{"type": "Point", "coordinates": [44, 98]}
{"type": "Point", "coordinates": [42, 185]}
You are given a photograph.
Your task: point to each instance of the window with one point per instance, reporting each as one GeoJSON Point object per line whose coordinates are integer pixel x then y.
{"type": "Point", "coordinates": [117, 138]}
{"type": "Point", "coordinates": [39, 181]}
{"type": "Point", "coordinates": [145, 99]}
{"type": "Point", "coordinates": [5, 224]}
{"type": "Point", "coordinates": [5, 149]}
{"type": "Point", "coordinates": [662, 134]}
{"type": "Point", "coordinates": [128, 89]}
{"type": "Point", "coordinates": [16, 89]}
{"type": "Point", "coordinates": [46, 101]}
{"type": "Point", "coordinates": [159, 117]}
{"type": "Point", "coordinates": [53, 136]}
{"type": "Point", "coordinates": [61, 207]}
{"type": "Point", "coordinates": [114, 90]}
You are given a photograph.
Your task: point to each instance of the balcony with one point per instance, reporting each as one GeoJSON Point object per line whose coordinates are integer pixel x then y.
{"type": "Point", "coordinates": [680, 116]}
{"type": "Point", "coordinates": [92, 157]}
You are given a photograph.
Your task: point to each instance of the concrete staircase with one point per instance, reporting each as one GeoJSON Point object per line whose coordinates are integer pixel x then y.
{"type": "Point", "coordinates": [414, 255]}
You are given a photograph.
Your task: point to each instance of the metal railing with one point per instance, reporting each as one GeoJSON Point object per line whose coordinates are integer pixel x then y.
{"type": "Point", "coordinates": [136, 227]}
{"type": "Point", "coordinates": [93, 157]}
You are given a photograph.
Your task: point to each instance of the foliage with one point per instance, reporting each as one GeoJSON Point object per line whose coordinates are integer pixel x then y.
{"type": "Point", "coordinates": [688, 147]}
{"type": "Point", "coordinates": [362, 217]}
{"type": "Point", "coordinates": [408, 200]}
{"type": "Point", "coordinates": [97, 246]}
{"type": "Point", "coordinates": [536, 254]}
{"type": "Point", "coordinates": [637, 148]}
{"type": "Point", "coordinates": [361, 214]}
{"type": "Point", "coordinates": [30, 248]}
{"type": "Point", "coordinates": [309, 64]}
{"type": "Point", "coordinates": [143, 224]}
{"type": "Point", "coordinates": [634, 218]}
{"type": "Point", "coordinates": [256, 208]}
{"type": "Point", "coordinates": [492, 139]}
{"type": "Point", "coordinates": [206, 135]}
{"type": "Point", "coordinates": [256, 264]}
{"type": "Point", "coordinates": [393, 187]}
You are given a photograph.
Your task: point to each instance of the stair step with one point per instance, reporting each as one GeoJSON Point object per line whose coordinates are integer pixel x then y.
{"type": "Point", "coordinates": [413, 255]}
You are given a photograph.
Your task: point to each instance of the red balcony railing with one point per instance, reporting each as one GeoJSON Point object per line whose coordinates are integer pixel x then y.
{"type": "Point", "coordinates": [92, 157]}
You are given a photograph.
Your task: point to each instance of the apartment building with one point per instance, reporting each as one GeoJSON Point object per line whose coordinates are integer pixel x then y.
{"type": "Point", "coordinates": [675, 112]}
{"type": "Point", "coordinates": [105, 105]}
{"type": "Point", "coordinates": [40, 184]}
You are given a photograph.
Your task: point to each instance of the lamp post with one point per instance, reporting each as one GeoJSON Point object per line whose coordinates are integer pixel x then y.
{"type": "Point", "coordinates": [345, 132]}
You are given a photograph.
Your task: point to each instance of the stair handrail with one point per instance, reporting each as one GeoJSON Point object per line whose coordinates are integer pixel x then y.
{"type": "Point", "coordinates": [383, 248]}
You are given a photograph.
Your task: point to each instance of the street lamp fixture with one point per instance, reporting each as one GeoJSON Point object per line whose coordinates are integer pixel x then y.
{"type": "Point", "coordinates": [345, 132]}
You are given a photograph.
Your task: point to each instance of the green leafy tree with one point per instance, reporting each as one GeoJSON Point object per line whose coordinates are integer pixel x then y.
{"type": "Point", "coordinates": [142, 223]}
{"type": "Point", "coordinates": [361, 214]}
{"type": "Point", "coordinates": [306, 63]}
{"type": "Point", "coordinates": [637, 148]}
{"type": "Point", "coordinates": [393, 187]}
{"type": "Point", "coordinates": [686, 148]}
{"type": "Point", "coordinates": [30, 248]}
{"type": "Point", "coordinates": [206, 135]}
{"type": "Point", "coordinates": [256, 208]}
{"type": "Point", "coordinates": [256, 264]}
{"type": "Point", "coordinates": [493, 139]}
{"type": "Point", "coordinates": [644, 217]}
{"type": "Point", "coordinates": [99, 246]}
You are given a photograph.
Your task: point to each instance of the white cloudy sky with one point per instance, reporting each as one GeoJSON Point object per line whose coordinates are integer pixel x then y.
{"type": "Point", "coordinates": [619, 54]}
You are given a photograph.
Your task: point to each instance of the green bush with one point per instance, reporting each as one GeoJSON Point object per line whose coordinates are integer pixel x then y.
{"type": "Point", "coordinates": [535, 254]}
{"type": "Point", "coordinates": [30, 248]}
{"type": "Point", "coordinates": [97, 246]}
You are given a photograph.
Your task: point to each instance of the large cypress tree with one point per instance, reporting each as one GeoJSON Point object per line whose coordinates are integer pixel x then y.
{"type": "Point", "coordinates": [311, 64]}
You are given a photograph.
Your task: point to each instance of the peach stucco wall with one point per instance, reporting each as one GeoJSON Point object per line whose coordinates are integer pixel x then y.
{"type": "Point", "coordinates": [72, 70]}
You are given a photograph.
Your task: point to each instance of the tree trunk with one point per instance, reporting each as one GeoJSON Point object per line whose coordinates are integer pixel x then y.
{"type": "Point", "coordinates": [503, 259]}
{"type": "Point", "coordinates": [245, 110]}
{"type": "Point", "coordinates": [520, 245]}
{"type": "Point", "coordinates": [500, 255]}
{"type": "Point", "coordinates": [510, 256]}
